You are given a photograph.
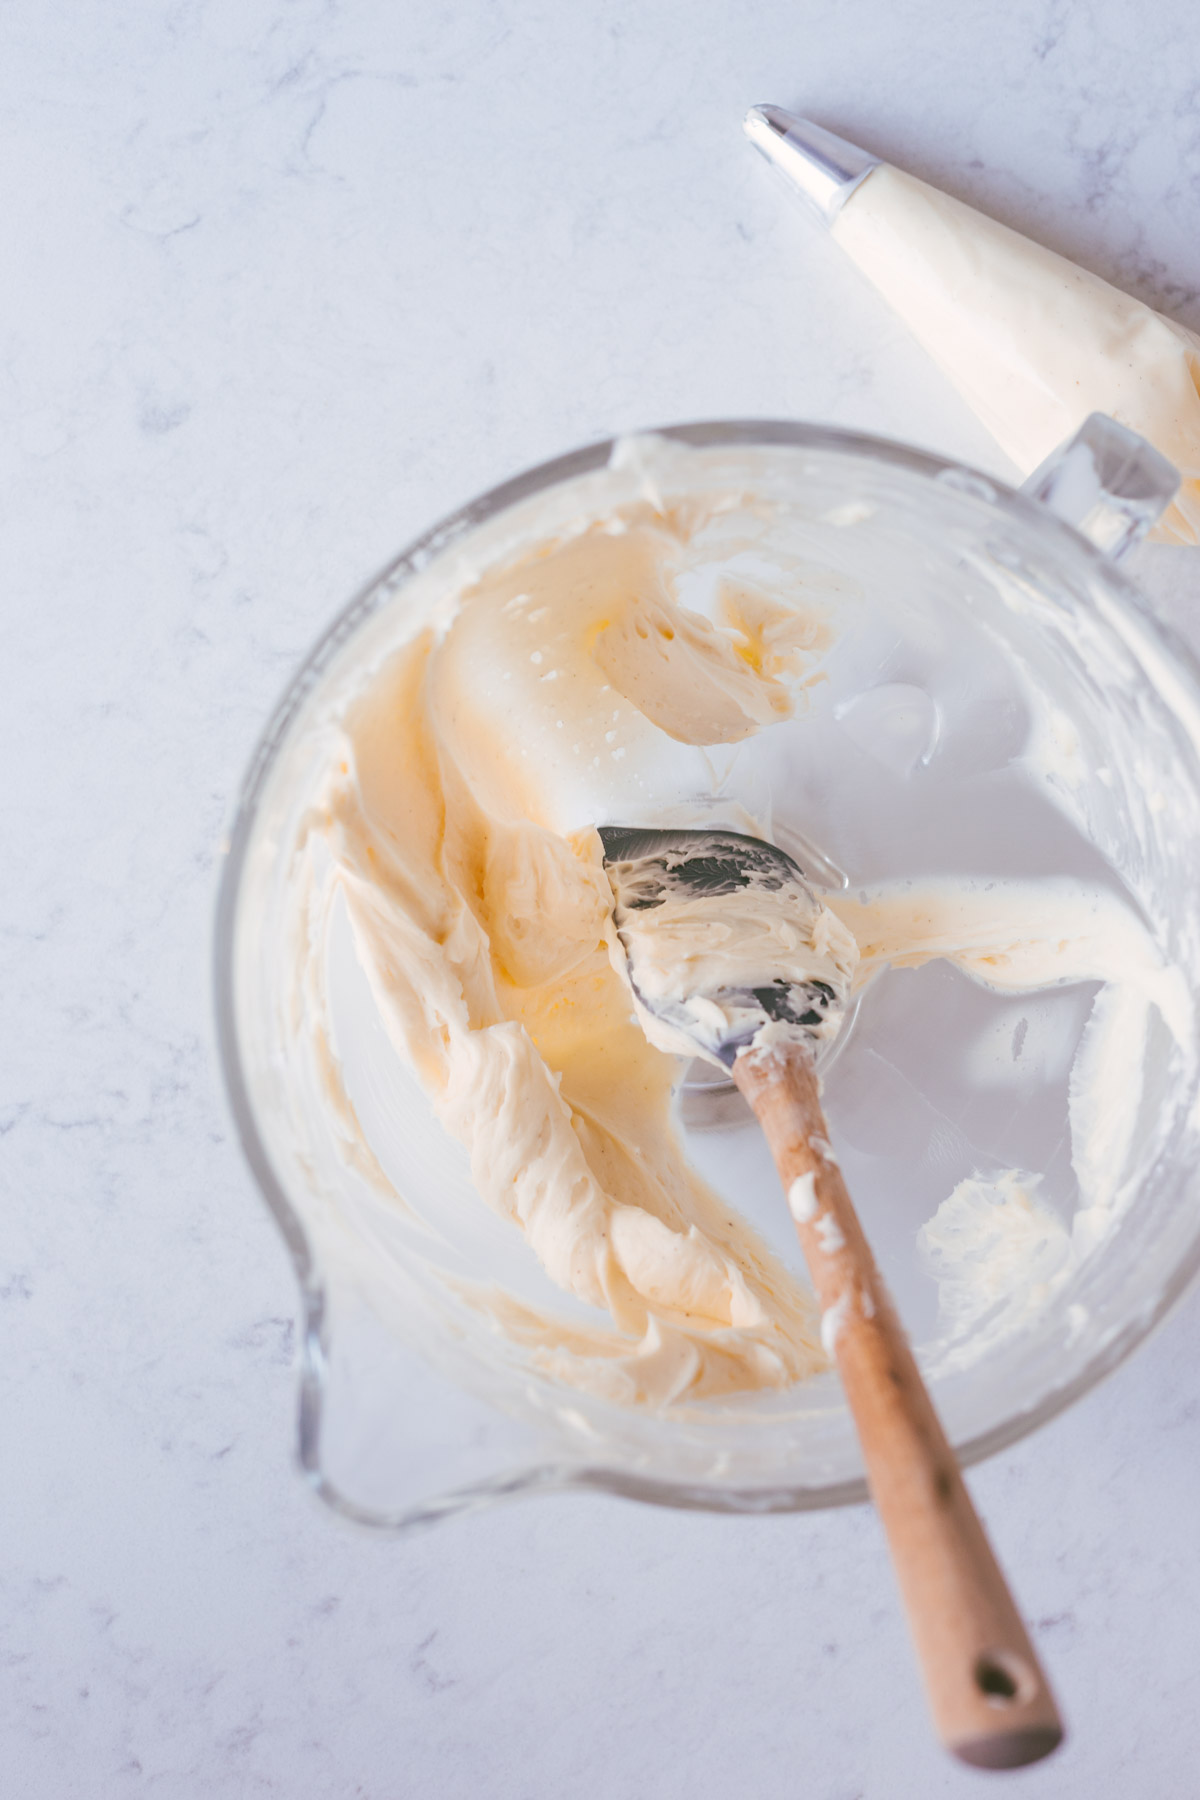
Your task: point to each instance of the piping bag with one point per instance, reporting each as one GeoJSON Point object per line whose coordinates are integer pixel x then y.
{"type": "Point", "coordinates": [1032, 342]}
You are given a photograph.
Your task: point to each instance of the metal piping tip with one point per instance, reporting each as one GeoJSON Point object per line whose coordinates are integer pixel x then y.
{"type": "Point", "coordinates": [822, 168]}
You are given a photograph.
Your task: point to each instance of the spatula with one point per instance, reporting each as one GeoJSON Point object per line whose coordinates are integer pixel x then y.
{"type": "Point", "coordinates": [696, 913]}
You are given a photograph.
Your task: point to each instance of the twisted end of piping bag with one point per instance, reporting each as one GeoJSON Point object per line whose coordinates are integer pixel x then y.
{"type": "Point", "coordinates": [821, 167]}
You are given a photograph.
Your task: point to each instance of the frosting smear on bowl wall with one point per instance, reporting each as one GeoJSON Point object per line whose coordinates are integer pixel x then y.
{"type": "Point", "coordinates": [673, 652]}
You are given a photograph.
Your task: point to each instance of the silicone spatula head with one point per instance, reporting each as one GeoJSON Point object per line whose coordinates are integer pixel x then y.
{"type": "Point", "coordinates": [726, 944]}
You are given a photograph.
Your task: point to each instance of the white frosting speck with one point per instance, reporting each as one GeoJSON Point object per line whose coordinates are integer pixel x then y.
{"type": "Point", "coordinates": [830, 1234]}
{"type": "Point", "coordinates": [832, 1320]}
{"type": "Point", "coordinates": [802, 1199]}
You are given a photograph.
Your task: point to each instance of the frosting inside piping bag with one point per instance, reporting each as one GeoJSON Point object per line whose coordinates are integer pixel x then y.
{"type": "Point", "coordinates": [1032, 342]}
{"type": "Point", "coordinates": [455, 834]}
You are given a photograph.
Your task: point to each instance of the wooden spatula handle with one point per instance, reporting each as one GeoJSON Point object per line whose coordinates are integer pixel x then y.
{"type": "Point", "coordinates": [990, 1700]}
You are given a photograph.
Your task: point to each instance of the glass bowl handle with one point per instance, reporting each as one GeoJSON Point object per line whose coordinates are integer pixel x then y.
{"type": "Point", "coordinates": [1107, 482]}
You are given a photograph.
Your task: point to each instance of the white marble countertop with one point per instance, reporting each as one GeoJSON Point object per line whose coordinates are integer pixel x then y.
{"type": "Point", "coordinates": [285, 282]}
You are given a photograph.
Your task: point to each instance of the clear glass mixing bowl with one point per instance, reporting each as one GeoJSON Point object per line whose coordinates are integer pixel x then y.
{"type": "Point", "coordinates": [408, 1412]}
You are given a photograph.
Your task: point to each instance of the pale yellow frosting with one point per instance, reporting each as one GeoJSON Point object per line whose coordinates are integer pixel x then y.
{"type": "Point", "coordinates": [480, 906]}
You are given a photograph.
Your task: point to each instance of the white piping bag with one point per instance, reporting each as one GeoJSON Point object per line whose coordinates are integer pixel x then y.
{"type": "Point", "coordinates": [1032, 343]}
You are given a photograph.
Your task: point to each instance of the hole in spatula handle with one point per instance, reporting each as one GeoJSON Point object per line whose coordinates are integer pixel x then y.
{"type": "Point", "coordinates": [1004, 1680]}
